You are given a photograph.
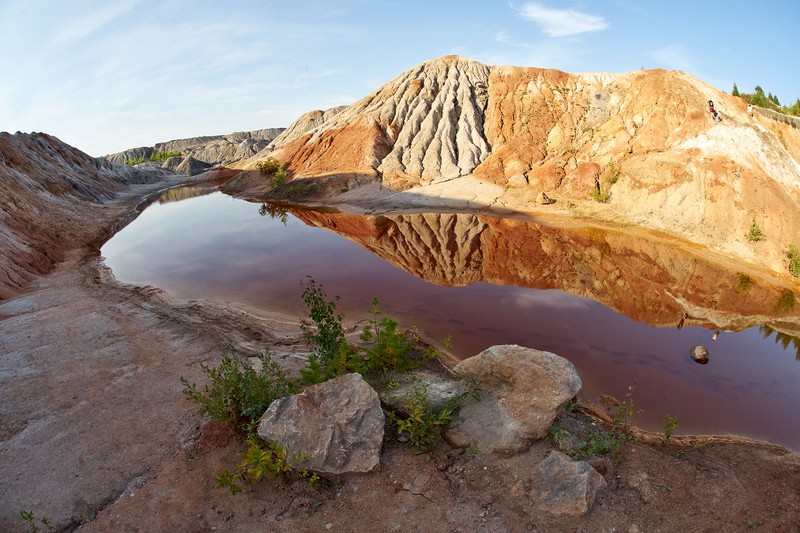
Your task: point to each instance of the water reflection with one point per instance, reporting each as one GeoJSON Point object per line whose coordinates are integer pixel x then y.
{"type": "Point", "coordinates": [649, 280]}
{"type": "Point", "coordinates": [185, 193]}
{"type": "Point", "coordinates": [786, 339]}
{"type": "Point", "coordinates": [586, 294]}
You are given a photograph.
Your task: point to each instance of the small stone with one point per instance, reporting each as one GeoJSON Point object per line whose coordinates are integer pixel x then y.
{"type": "Point", "coordinates": [543, 199]}
{"type": "Point", "coordinates": [700, 354]}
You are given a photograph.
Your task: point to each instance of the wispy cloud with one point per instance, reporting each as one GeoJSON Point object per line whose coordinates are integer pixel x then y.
{"type": "Point", "coordinates": [88, 24]}
{"type": "Point", "coordinates": [561, 22]}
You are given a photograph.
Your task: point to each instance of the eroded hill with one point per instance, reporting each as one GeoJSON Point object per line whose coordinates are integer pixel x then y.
{"type": "Point", "coordinates": [636, 148]}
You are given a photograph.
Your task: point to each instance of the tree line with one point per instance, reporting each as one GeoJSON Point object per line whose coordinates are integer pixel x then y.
{"type": "Point", "coordinates": [767, 101]}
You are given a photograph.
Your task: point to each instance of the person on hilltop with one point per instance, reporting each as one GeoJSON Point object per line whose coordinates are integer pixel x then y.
{"type": "Point", "coordinates": [714, 114]}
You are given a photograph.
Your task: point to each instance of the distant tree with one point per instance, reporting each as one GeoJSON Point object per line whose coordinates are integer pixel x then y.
{"type": "Point", "coordinates": [774, 98]}
{"type": "Point", "coordinates": [735, 91]}
{"type": "Point", "coordinates": [759, 90]}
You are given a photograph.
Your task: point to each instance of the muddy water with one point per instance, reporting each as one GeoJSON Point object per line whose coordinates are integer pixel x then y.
{"type": "Point", "coordinates": [611, 303]}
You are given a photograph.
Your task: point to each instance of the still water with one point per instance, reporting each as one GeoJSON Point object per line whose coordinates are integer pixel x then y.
{"type": "Point", "coordinates": [609, 303]}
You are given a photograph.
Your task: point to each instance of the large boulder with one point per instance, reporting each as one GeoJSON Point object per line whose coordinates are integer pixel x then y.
{"type": "Point", "coordinates": [335, 427]}
{"type": "Point", "coordinates": [566, 487]}
{"type": "Point", "coordinates": [521, 389]}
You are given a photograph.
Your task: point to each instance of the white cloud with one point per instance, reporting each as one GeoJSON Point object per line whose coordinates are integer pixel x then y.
{"type": "Point", "coordinates": [561, 22]}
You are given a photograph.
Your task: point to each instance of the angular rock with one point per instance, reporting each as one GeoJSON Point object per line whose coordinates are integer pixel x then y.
{"type": "Point", "coordinates": [336, 426]}
{"type": "Point", "coordinates": [521, 389]}
{"type": "Point", "coordinates": [566, 487]}
{"type": "Point", "coordinates": [543, 199]}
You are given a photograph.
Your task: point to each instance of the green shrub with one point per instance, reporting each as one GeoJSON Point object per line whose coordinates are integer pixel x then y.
{"type": "Point", "coordinates": [744, 282]}
{"type": "Point", "coordinates": [263, 460]}
{"type": "Point", "coordinates": [135, 161]}
{"type": "Point", "coordinates": [387, 349]}
{"type": "Point", "coordinates": [599, 442]}
{"type": "Point", "coordinates": [670, 423]}
{"type": "Point", "coordinates": [298, 189]}
{"type": "Point", "coordinates": [600, 195]}
{"type": "Point", "coordinates": [163, 156]}
{"type": "Point", "coordinates": [786, 302]}
{"type": "Point", "coordinates": [613, 173]}
{"type": "Point", "coordinates": [383, 347]}
{"type": "Point", "coordinates": [794, 260]}
{"type": "Point", "coordinates": [755, 234]}
{"type": "Point", "coordinates": [268, 166]}
{"type": "Point", "coordinates": [280, 177]}
{"type": "Point", "coordinates": [33, 526]}
{"type": "Point", "coordinates": [238, 395]}
{"type": "Point", "coordinates": [325, 331]}
{"type": "Point", "coordinates": [423, 424]}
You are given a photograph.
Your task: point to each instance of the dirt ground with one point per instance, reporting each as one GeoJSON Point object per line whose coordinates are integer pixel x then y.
{"type": "Point", "coordinates": [97, 436]}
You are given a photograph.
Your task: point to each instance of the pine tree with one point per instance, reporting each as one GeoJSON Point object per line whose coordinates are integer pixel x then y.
{"type": "Point", "coordinates": [735, 91]}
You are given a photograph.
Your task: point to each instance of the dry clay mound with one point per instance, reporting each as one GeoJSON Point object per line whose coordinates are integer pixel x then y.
{"type": "Point", "coordinates": [643, 139]}
{"type": "Point", "coordinates": [49, 194]}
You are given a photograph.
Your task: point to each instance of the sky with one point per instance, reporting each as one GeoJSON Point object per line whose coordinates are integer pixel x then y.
{"type": "Point", "coordinates": [105, 76]}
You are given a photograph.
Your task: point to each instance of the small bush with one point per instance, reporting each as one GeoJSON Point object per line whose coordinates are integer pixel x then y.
{"type": "Point", "coordinates": [163, 156]}
{"type": "Point", "coordinates": [613, 173]}
{"type": "Point", "coordinates": [755, 234]}
{"type": "Point", "coordinates": [670, 423]}
{"type": "Point", "coordinates": [260, 460]}
{"type": "Point", "coordinates": [600, 195]}
{"type": "Point", "coordinates": [135, 161]}
{"type": "Point", "coordinates": [35, 526]}
{"type": "Point", "coordinates": [794, 260]}
{"type": "Point", "coordinates": [280, 177]}
{"type": "Point", "coordinates": [268, 166]}
{"type": "Point", "coordinates": [423, 424]}
{"type": "Point", "coordinates": [744, 282]}
{"type": "Point", "coordinates": [786, 302]}
{"type": "Point", "coordinates": [325, 331]}
{"type": "Point", "coordinates": [238, 395]}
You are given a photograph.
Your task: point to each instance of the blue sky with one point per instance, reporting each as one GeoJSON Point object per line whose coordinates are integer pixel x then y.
{"type": "Point", "coordinates": [108, 75]}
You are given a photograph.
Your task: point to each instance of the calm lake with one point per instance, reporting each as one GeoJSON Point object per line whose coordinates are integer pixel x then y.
{"type": "Point", "coordinates": [625, 310]}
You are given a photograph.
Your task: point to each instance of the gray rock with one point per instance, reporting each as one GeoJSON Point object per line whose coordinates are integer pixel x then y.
{"type": "Point", "coordinates": [191, 166]}
{"type": "Point", "coordinates": [566, 487]}
{"type": "Point", "coordinates": [522, 390]}
{"type": "Point", "coordinates": [336, 426]}
{"type": "Point", "coordinates": [439, 389]}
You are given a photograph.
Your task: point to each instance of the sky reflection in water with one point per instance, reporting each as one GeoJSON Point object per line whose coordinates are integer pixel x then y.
{"type": "Point", "coordinates": [217, 247]}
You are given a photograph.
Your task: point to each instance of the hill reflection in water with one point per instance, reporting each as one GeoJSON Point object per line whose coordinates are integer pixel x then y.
{"type": "Point", "coordinates": [609, 302]}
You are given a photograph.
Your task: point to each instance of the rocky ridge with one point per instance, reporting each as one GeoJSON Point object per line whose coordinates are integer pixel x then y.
{"type": "Point", "coordinates": [640, 141]}
{"type": "Point", "coordinates": [212, 150]}
{"type": "Point", "coordinates": [47, 186]}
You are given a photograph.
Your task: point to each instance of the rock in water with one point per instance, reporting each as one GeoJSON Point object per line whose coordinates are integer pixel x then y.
{"type": "Point", "coordinates": [521, 390]}
{"type": "Point", "coordinates": [700, 354]}
{"type": "Point", "coordinates": [336, 426]}
{"type": "Point", "coordinates": [566, 487]}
